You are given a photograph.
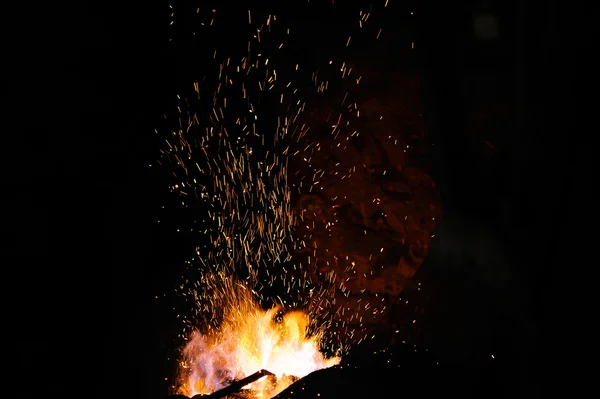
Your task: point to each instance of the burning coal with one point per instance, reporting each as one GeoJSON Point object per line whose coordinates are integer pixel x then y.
{"type": "Point", "coordinates": [248, 339]}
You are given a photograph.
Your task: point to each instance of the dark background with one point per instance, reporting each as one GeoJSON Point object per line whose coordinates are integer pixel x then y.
{"type": "Point", "coordinates": [83, 257]}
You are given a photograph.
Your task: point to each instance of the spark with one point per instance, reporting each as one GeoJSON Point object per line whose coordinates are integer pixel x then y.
{"type": "Point", "coordinates": [231, 146]}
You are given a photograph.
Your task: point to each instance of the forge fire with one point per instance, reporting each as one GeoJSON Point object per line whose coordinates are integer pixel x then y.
{"type": "Point", "coordinates": [249, 339]}
{"type": "Point", "coordinates": [304, 211]}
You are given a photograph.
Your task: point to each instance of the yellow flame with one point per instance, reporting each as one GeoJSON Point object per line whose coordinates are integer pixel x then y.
{"type": "Point", "coordinates": [247, 340]}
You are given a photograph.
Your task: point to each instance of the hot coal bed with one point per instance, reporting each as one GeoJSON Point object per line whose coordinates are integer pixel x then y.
{"type": "Point", "coordinates": [377, 373]}
{"type": "Point", "coordinates": [399, 358]}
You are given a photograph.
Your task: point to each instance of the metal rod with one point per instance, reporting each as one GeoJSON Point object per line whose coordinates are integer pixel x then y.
{"type": "Point", "coordinates": [234, 387]}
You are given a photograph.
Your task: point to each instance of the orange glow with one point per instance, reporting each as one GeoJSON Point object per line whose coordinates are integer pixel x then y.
{"type": "Point", "coordinates": [247, 340]}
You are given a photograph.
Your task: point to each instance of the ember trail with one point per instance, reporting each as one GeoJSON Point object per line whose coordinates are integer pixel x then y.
{"type": "Point", "coordinates": [252, 144]}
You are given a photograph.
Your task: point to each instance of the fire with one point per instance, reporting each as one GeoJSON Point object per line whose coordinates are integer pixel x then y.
{"type": "Point", "coordinates": [249, 339]}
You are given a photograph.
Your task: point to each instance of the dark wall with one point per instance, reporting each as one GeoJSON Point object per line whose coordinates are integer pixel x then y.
{"type": "Point", "coordinates": [85, 84]}
{"type": "Point", "coordinates": [504, 111]}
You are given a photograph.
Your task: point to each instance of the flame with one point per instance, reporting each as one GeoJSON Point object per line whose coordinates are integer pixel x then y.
{"type": "Point", "coordinates": [249, 339]}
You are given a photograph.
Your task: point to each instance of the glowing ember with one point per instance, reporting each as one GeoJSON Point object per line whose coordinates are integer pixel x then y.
{"type": "Point", "coordinates": [230, 153]}
{"type": "Point", "coordinates": [247, 340]}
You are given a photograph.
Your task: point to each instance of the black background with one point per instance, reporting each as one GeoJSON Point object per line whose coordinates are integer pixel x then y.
{"type": "Point", "coordinates": [83, 257]}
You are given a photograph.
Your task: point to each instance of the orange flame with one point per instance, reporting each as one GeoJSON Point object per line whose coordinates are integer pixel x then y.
{"type": "Point", "coordinates": [247, 340]}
